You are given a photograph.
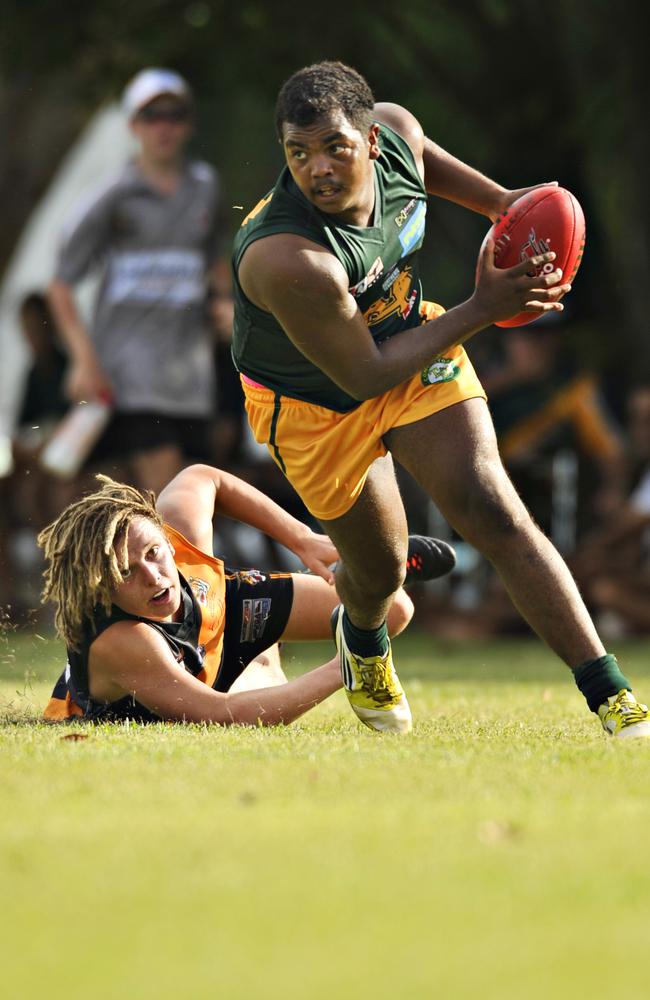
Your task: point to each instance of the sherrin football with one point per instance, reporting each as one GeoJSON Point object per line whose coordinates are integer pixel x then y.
{"type": "Point", "coordinates": [547, 218]}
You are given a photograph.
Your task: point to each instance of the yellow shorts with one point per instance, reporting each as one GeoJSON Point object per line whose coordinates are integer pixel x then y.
{"type": "Point", "coordinates": [326, 455]}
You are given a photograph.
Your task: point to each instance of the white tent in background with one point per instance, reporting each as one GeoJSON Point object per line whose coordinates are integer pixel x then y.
{"type": "Point", "coordinates": [102, 148]}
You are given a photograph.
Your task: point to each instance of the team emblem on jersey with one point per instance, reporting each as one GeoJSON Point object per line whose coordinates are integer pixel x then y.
{"type": "Point", "coordinates": [200, 590]}
{"type": "Point", "coordinates": [442, 370]}
{"type": "Point", "coordinates": [398, 301]}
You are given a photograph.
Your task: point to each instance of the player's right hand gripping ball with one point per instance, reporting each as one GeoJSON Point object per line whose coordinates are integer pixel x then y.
{"type": "Point", "coordinates": [548, 218]}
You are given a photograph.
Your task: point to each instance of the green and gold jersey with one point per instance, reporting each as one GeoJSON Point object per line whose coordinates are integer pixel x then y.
{"type": "Point", "coordinates": [381, 261]}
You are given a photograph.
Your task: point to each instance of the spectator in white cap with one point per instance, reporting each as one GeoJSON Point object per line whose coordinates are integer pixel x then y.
{"type": "Point", "coordinates": [149, 84]}
{"type": "Point", "coordinates": [157, 230]}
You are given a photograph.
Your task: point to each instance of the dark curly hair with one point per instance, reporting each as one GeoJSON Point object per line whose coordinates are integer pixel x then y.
{"type": "Point", "coordinates": [320, 89]}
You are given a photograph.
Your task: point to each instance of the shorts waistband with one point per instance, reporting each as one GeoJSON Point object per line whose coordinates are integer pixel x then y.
{"type": "Point", "coordinates": [249, 381]}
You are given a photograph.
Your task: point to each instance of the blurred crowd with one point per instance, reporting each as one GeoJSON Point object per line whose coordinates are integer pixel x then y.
{"type": "Point", "coordinates": [155, 359]}
{"type": "Point", "coordinates": [579, 456]}
{"type": "Point", "coordinates": [146, 386]}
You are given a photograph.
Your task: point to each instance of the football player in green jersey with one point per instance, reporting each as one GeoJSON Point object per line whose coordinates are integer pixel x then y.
{"type": "Point", "coordinates": [343, 364]}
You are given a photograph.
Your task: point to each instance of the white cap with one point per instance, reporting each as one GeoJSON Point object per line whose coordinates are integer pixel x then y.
{"type": "Point", "coordinates": [151, 83]}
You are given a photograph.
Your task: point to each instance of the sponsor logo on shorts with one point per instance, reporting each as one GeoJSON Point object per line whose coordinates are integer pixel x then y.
{"type": "Point", "coordinates": [255, 614]}
{"type": "Point", "coordinates": [200, 590]}
{"type": "Point", "coordinates": [442, 370]}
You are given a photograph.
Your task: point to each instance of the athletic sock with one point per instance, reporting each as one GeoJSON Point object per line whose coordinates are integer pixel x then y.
{"type": "Point", "coordinates": [365, 642]}
{"type": "Point", "coordinates": [599, 679]}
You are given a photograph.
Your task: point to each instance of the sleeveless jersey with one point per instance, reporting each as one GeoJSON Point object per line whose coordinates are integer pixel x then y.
{"type": "Point", "coordinates": [196, 641]}
{"type": "Point", "coordinates": [381, 262]}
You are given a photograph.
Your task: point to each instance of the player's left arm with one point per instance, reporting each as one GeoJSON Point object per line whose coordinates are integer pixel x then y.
{"type": "Point", "coordinates": [443, 174]}
{"type": "Point", "coordinates": [196, 494]}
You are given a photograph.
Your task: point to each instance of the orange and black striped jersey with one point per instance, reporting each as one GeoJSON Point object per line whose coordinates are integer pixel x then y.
{"type": "Point", "coordinates": [196, 641]}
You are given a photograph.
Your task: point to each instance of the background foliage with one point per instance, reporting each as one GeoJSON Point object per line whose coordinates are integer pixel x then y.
{"type": "Point", "coordinates": [525, 92]}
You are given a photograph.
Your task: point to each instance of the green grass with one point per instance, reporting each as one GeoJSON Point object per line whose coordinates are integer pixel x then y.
{"type": "Point", "coordinates": [499, 851]}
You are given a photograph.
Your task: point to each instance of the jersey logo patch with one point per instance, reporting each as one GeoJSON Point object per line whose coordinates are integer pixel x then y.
{"type": "Point", "coordinates": [398, 302]}
{"type": "Point", "coordinates": [255, 614]}
{"type": "Point", "coordinates": [413, 231]}
{"type": "Point", "coordinates": [375, 271]}
{"type": "Point", "coordinates": [404, 214]}
{"type": "Point", "coordinates": [200, 590]}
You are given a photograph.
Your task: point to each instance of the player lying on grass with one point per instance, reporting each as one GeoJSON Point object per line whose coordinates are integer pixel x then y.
{"type": "Point", "coordinates": [156, 628]}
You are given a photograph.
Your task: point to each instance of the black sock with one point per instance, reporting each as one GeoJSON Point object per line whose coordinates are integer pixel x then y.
{"type": "Point", "coordinates": [365, 642]}
{"type": "Point", "coordinates": [600, 678]}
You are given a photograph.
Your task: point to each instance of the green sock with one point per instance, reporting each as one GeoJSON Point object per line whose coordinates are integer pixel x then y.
{"type": "Point", "coordinates": [365, 642]}
{"type": "Point", "coordinates": [600, 678]}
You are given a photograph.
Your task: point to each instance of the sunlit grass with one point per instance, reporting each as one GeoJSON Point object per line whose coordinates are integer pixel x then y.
{"type": "Point", "coordinates": [498, 851]}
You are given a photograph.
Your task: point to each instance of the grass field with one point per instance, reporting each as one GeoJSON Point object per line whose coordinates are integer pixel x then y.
{"type": "Point", "coordinates": [498, 851]}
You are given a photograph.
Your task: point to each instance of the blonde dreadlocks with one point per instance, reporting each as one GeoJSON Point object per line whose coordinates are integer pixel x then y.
{"type": "Point", "coordinates": [84, 563]}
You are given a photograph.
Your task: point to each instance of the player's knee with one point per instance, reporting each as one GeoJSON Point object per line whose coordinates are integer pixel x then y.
{"type": "Point", "coordinates": [394, 569]}
{"type": "Point", "coordinates": [497, 520]}
{"type": "Point", "coordinates": [483, 504]}
{"type": "Point", "coordinates": [400, 613]}
{"type": "Point", "coordinates": [378, 578]}
{"type": "Point", "coordinates": [270, 658]}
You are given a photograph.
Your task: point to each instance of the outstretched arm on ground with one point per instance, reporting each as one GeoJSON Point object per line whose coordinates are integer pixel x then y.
{"type": "Point", "coordinates": [136, 660]}
{"type": "Point", "coordinates": [191, 500]}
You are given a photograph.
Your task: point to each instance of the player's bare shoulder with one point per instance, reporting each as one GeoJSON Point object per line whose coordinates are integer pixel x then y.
{"type": "Point", "coordinates": [406, 125]}
{"type": "Point", "coordinates": [121, 654]}
{"type": "Point", "coordinates": [292, 266]}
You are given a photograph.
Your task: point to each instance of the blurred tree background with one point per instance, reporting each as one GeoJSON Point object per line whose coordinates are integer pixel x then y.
{"type": "Point", "coordinates": [524, 91]}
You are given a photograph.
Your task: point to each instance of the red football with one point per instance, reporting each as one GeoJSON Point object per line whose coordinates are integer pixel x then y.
{"type": "Point", "coordinates": [548, 218]}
